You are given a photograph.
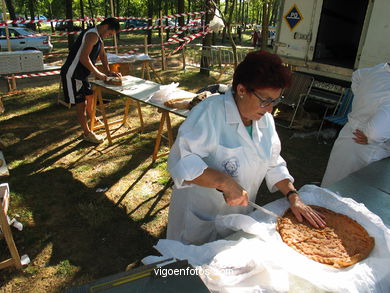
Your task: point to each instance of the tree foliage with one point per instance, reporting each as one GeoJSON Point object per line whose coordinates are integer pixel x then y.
{"type": "Point", "coordinates": [245, 11]}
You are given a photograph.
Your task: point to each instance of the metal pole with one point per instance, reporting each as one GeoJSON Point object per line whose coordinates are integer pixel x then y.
{"type": "Point", "coordinates": [112, 15]}
{"type": "Point", "coordinates": [13, 81]}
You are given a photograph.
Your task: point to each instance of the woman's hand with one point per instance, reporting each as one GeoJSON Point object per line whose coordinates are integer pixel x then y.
{"type": "Point", "coordinates": [300, 210]}
{"type": "Point", "coordinates": [100, 76]}
{"type": "Point", "coordinates": [116, 74]}
{"type": "Point", "coordinates": [360, 137]}
{"type": "Point", "coordinates": [234, 194]}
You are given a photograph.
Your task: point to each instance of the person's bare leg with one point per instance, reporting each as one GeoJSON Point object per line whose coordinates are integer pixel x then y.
{"type": "Point", "coordinates": [81, 116]}
{"type": "Point", "coordinates": [89, 101]}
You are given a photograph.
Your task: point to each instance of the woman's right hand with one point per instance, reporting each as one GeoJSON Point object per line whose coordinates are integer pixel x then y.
{"type": "Point", "coordinates": [100, 76]}
{"type": "Point", "coordinates": [234, 194]}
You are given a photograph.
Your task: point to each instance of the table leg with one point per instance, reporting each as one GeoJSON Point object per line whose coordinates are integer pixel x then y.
{"type": "Point", "coordinates": [103, 111]}
{"type": "Point", "coordinates": [126, 112]}
{"type": "Point", "coordinates": [15, 258]}
{"type": "Point", "coordinates": [155, 73]}
{"type": "Point", "coordinates": [159, 135]}
{"type": "Point", "coordinates": [143, 70]}
{"type": "Point", "coordinates": [169, 130]}
{"type": "Point", "coordinates": [93, 114]}
{"type": "Point", "coordinates": [147, 65]}
{"type": "Point", "coordinates": [141, 119]}
{"type": "Point", "coordinates": [164, 119]}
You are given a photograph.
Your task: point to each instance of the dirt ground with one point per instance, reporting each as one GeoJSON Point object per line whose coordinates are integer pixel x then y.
{"type": "Point", "coordinates": [74, 233]}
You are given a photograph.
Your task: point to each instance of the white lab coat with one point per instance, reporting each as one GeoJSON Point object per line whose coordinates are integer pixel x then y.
{"type": "Point", "coordinates": [371, 114]}
{"type": "Point", "coordinates": [214, 136]}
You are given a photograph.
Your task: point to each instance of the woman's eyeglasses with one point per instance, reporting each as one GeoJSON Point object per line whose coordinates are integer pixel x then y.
{"type": "Point", "coordinates": [267, 102]}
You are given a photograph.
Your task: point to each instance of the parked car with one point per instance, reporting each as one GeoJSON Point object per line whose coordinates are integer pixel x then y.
{"type": "Point", "coordinates": [170, 22]}
{"type": "Point", "coordinates": [195, 26]}
{"type": "Point", "coordinates": [133, 23]}
{"type": "Point", "coordinates": [67, 26]}
{"type": "Point", "coordinates": [41, 17]}
{"type": "Point", "coordinates": [21, 39]}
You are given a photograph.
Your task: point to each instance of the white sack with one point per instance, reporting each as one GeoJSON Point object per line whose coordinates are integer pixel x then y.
{"type": "Point", "coordinates": [272, 266]}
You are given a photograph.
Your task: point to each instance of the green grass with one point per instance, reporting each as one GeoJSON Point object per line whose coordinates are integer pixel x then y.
{"type": "Point", "coordinates": [65, 268]}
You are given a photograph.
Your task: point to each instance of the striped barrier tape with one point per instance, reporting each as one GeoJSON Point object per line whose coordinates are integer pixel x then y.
{"type": "Point", "coordinates": [55, 72]}
{"type": "Point", "coordinates": [176, 15]}
{"type": "Point", "coordinates": [184, 28]}
{"type": "Point", "coordinates": [189, 39]}
{"type": "Point", "coordinates": [122, 30]}
{"type": "Point", "coordinates": [96, 19]}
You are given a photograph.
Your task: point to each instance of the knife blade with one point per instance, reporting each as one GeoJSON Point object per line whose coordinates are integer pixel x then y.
{"type": "Point", "coordinates": [264, 210]}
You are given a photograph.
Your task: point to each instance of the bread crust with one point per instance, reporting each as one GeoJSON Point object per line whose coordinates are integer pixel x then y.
{"type": "Point", "coordinates": [181, 103]}
{"type": "Point", "coordinates": [342, 243]}
{"type": "Point", "coordinates": [113, 80]}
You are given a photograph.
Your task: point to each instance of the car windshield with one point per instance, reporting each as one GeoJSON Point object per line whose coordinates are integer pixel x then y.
{"type": "Point", "coordinates": [26, 31]}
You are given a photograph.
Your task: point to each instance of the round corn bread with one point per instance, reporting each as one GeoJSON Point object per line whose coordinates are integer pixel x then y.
{"type": "Point", "coordinates": [342, 243]}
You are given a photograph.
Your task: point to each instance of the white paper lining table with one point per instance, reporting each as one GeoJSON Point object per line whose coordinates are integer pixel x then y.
{"type": "Point", "coordinates": [136, 90]}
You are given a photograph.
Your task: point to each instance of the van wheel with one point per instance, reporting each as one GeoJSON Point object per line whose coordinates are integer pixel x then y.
{"type": "Point", "coordinates": [25, 49]}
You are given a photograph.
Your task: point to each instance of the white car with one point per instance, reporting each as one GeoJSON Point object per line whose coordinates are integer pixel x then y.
{"type": "Point", "coordinates": [21, 39]}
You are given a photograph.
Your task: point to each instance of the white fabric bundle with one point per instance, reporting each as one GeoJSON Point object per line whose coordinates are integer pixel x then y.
{"type": "Point", "coordinates": [266, 264]}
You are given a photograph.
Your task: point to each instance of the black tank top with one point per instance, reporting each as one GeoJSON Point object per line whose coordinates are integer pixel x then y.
{"type": "Point", "coordinates": [73, 67]}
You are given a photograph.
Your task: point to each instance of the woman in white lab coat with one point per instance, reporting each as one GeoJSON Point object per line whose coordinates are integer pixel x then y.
{"type": "Point", "coordinates": [224, 150]}
{"type": "Point", "coordinates": [366, 136]}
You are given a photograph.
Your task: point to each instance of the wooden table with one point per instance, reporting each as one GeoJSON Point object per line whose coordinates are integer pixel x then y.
{"type": "Point", "coordinates": [136, 90]}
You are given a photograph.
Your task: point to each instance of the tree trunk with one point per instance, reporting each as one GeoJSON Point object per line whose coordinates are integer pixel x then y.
{"type": "Point", "coordinates": [160, 22]}
{"type": "Point", "coordinates": [11, 9]}
{"type": "Point", "coordinates": [116, 11]}
{"type": "Point", "coordinates": [150, 15]}
{"type": "Point", "coordinates": [234, 47]}
{"type": "Point", "coordinates": [51, 17]}
{"type": "Point", "coordinates": [206, 50]}
{"type": "Point", "coordinates": [264, 26]}
{"type": "Point", "coordinates": [32, 13]}
{"type": "Point", "coordinates": [69, 15]}
{"type": "Point", "coordinates": [118, 8]}
{"type": "Point", "coordinates": [274, 14]}
{"type": "Point", "coordinates": [90, 4]}
{"type": "Point", "coordinates": [225, 28]}
{"type": "Point", "coordinates": [82, 15]}
{"type": "Point", "coordinates": [166, 21]}
{"type": "Point", "coordinates": [180, 9]}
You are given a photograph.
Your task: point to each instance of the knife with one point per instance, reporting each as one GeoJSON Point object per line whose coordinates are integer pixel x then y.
{"type": "Point", "coordinates": [264, 210]}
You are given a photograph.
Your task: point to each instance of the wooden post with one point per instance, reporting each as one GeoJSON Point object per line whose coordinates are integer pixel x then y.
{"type": "Point", "coordinates": [112, 15]}
{"type": "Point", "coordinates": [146, 44]}
{"type": "Point", "coordinates": [162, 44]}
{"type": "Point", "coordinates": [12, 86]}
{"type": "Point", "coordinates": [183, 53]}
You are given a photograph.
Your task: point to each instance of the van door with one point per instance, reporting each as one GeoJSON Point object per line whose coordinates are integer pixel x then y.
{"type": "Point", "coordinates": [297, 31]}
{"type": "Point", "coordinates": [339, 32]}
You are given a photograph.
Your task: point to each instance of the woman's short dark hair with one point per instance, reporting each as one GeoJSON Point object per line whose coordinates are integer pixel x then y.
{"type": "Point", "coordinates": [261, 69]}
{"type": "Point", "coordinates": [112, 22]}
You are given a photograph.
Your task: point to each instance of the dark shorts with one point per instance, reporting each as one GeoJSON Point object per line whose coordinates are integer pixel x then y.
{"type": "Point", "coordinates": [75, 90]}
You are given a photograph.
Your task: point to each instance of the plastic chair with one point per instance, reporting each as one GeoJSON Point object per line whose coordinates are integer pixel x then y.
{"type": "Point", "coordinates": [340, 117]}
{"type": "Point", "coordinates": [299, 90]}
